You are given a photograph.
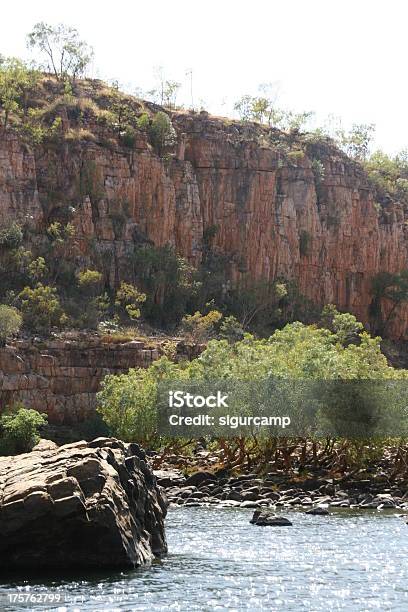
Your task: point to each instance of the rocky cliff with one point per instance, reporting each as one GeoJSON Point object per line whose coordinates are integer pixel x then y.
{"type": "Point", "coordinates": [274, 217]}
{"type": "Point", "coordinates": [61, 376]}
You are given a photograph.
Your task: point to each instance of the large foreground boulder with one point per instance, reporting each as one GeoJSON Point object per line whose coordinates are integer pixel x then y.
{"type": "Point", "coordinates": [85, 504]}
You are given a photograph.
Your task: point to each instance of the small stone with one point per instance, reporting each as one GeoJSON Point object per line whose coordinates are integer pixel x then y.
{"type": "Point", "coordinates": [318, 511]}
{"type": "Point", "coordinates": [265, 518]}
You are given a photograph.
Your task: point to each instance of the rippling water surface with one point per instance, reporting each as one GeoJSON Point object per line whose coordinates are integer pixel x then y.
{"type": "Point", "coordinates": [217, 560]}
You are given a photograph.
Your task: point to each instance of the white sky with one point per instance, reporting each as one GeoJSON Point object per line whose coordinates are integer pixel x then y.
{"type": "Point", "coordinates": [340, 57]}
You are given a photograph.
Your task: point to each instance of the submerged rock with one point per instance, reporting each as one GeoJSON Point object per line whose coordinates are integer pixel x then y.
{"type": "Point", "coordinates": [318, 511]}
{"type": "Point", "coordinates": [265, 518]}
{"type": "Point", "coordinates": [81, 505]}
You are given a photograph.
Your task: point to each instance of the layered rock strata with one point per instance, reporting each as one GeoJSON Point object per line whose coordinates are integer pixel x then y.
{"type": "Point", "coordinates": [80, 505]}
{"type": "Point", "coordinates": [271, 215]}
{"type": "Point", "coordinates": [61, 377]}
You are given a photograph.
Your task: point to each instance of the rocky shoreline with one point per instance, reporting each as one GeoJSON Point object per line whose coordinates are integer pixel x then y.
{"type": "Point", "coordinates": [273, 490]}
{"type": "Point", "coordinates": [100, 503]}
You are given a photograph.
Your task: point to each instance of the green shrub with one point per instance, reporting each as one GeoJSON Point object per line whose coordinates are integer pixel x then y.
{"type": "Point", "coordinates": [17, 80]}
{"type": "Point", "coordinates": [388, 176]}
{"type": "Point", "coordinates": [346, 327]}
{"type": "Point", "coordinates": [327, 315]}
{"type": "Point", "coordinates": [106, 118]}
{"type": "Point", "coordinates": [19, 430]}
{"type": "Point", "coordinates": [143, 122]}
{"type": "Point", "coordinates": [231, 330]}
{"type": "Point", "coordinates": [41, 308]}
{"type": "Point", "coordinates": [58, 233]}
{"type": "Point", "coordinates": [169, 349]}
{"type": "Point", "coordinates": [11, 236]}
{"type": "Point", "coordinates": [89, 280]}
{"type": "Point", "coordinates": [128, 301]}
{"type": "Point", "coordinates": [162, 132]}
{"type": "Point", "coordinates": [88, 306]}
{"type": "Point", "coordinates": [258, 304]}
{"type": "Point", "coordinates": [122, 111]}
{"type": "Point", "coordinates": [200, 328]}
{"type": "Point", "coordinates": [10, 322]}
{"type": "Point", "coordinates": [86, 311]}
{"type": "Point", "coordinates": [169, 281]}
{"type": "Point", "coordinates": [37, 269]}
{"type": "Point", "coordinates": [296, 156]}
{"type": "Point", "coordinates": [127, 402]}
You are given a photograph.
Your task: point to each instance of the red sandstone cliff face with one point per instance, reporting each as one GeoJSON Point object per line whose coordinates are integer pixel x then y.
{"type": "Point", "coordinates": [263, 202]}
{"type": "Point", "coordinates": [62, 376]}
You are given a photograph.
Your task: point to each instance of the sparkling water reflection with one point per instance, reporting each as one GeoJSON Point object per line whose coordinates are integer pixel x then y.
{"type": "Point", "coordinates": [217, 560]}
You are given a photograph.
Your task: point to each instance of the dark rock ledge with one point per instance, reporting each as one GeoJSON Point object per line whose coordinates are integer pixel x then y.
{"type": "Point", "coordinates": [80, 505]}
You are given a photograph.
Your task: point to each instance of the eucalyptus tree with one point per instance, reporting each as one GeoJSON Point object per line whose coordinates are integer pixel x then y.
{"type": "Point", "coordinates": [65, 54]}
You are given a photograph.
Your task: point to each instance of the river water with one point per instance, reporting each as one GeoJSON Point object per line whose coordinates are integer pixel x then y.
{"type": "Point", "coordinates": [217, 560]}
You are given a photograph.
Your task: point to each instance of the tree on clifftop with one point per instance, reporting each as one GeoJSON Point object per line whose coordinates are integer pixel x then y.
{"type": "Point", "coordinates": [65, 53]}
{"type": "Point", "coordinates": [17, 79]}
